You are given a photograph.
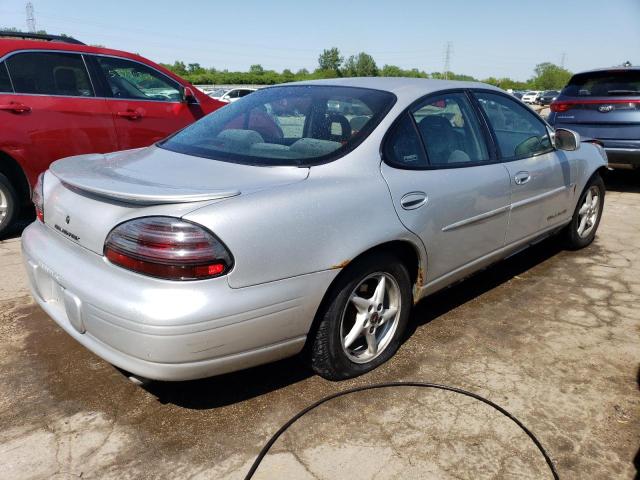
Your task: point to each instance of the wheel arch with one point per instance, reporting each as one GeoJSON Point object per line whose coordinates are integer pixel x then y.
{"type": "Point", "coordinates": [409, 254]}
{"type": "Point", "coordinates": [11, 169]}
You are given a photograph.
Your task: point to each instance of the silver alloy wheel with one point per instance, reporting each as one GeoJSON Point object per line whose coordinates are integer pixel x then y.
{"type": "Point", "coordinates": [589, 211]}
{"type": "Point", "coordinates": [370, 318]}
{"type": "Point", "coordinates": [4, 206]}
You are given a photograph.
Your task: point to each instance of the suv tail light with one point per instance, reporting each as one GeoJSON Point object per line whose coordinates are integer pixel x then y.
{"type": "Point", "coordinates": [37, 196]}
{"type": "Point", "coordinates": [168, 248]}
{"type": "Point", "coordinates": [560, 107]}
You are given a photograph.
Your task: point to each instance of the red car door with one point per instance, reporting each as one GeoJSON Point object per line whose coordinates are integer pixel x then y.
{"type": "Point", "coordinates": [146, 104]}
{"type": "Point", "coordinates": [53, 111]}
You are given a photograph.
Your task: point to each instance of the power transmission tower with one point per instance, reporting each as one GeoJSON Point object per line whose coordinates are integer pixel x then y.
{"type": "Point", "coordinates": [447, 59]}
{"type": "Point", "coordinates": [31, 18]}
{"type": "Point", "coordinates": [563, 59]}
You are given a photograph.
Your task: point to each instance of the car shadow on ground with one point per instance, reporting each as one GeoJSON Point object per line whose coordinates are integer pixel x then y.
{"type": "Point", "coordinates": [623, 181]}
{"type": "Point", "coordinates": [236, 387]}
{"type": "Point", "coordinates": [15, 231]}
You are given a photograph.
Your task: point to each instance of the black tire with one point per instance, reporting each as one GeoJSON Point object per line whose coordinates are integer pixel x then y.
{"type": "Point", "coordinates": [328, 358]}
{"type": "Point", "coordinates": [573, 240]}
{"type": "Point", "coordinates": [8, 192]}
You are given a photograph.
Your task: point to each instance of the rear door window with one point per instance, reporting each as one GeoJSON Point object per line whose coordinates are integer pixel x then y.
{"type": "Point", "coordinates": [450, 131]}
{"type": "Point", "coordinates": [5, 81]}
{"type": "Point", "coordinates": [132, 80]}
{"type": "Point", "coordinates": [520, 133]}
{"type": "Point", "coordinates": [50, 73]}
{"type": "Point", "coordinates": [608, 83]}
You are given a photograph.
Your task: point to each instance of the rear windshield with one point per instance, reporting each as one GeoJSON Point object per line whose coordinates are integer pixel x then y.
{"type": "Point", "coordinates": [297, 125]}
{"type": "Point", "coordinates": [609, 83]}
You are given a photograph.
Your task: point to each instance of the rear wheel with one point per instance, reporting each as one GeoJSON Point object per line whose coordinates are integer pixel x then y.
{"type": "Point", "coordinates": [362, 323]}
{"type": "Point", "coordinates": [8, 204]}
{"type": "Point", "coordinates": [586, 217]}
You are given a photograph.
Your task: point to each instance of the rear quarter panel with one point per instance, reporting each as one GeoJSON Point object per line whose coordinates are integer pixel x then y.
{"type": "Point", "coordinates": [319, 224]}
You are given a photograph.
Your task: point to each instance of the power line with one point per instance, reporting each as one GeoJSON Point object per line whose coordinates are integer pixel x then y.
{"type": "Point", "coordinates": [31, 18]}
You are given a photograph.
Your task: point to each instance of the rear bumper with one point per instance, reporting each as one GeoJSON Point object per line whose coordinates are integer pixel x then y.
{"type": "Point", "coordinates": [167, 330]}
{"type": "Point", "coordinates": [621, 156]}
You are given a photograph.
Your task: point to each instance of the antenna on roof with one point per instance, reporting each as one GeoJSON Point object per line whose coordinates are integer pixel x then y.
{"type": "Point", "coordinates": [626, 64]}
{"type": "Point", "coordinates": [31, 18]}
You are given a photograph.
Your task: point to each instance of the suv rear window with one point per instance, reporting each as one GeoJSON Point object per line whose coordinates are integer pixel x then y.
{"type": "Point", "coordinates": [50, 73]}
{"type": "Point", "coordinates": [609, 83]}
{"type": "Point", "coordinates": [297, 125]}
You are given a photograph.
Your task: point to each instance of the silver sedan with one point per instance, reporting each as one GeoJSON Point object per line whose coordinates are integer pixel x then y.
{"type": "Point", "coordinates": [304, 215]}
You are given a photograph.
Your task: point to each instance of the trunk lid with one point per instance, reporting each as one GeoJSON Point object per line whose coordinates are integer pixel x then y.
{"type": "Point", "coordinates": [86, 196]}
{"type": "Point", "coordinates": [153, 176]}
{"type": "Point", "coordinates": [603, 104]}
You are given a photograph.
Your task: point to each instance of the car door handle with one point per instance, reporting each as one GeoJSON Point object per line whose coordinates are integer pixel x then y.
{"type": "Point", "coordinates": [16, 107]}
{"type": "Point", "coordinates": [413, 200]}
{"type": "Point", "coordinates": [130, 114]}
{"type": "Point", "coordinates": [521, 178]}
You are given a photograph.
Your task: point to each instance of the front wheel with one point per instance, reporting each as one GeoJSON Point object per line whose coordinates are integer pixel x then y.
{"type": "Point", "coordinates": [364, 318]}
{"type": "Point", "coordinates": [586, 217]}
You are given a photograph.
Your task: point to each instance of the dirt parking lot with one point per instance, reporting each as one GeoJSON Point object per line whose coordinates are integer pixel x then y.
{"type": "Point", "coordinates": [551, 335]}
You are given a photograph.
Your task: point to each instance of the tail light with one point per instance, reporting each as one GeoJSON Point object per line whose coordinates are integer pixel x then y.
{"type": "Point", "coordinates": [564, 105]}
{"type": "Point", "coordinates": [37, 196]}
{"type": "Point", "coordinates": [168, 248]}
{"type": "Point", "coordinates": [560, 107]}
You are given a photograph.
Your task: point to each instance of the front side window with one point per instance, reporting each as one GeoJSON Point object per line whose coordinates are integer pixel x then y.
{"type": "Point", "coordinates": [5, 81]}
{"type": "Point", "coordinates": [520, 133]}
{"type": "Point", "coordinates": [135, 81]}
{"type": "Point", "coordinates": [49, 73]}
{"type": "Point", "coordinates": [450, 131]}
{"type": "Point", "coordinates": [292, 125]}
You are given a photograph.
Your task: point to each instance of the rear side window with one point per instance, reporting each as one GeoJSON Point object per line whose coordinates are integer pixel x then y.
{"type": "Point", "coordinates": [520, 133]}
{"type": "Point", "coordinates": [450, 131]}
{"type": "Point", "coordinates": [610, 83]}
{"type": "Point", "coordinates": [133, 80]}
{"type": "Point", "coordinates": [402, 148]}
{"type": "Point", "coordinates": [49, 73]}
{"type": "Point", "coordinates": [5, 82]}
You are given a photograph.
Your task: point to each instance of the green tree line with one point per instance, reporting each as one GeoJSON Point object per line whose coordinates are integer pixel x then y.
{"type": "Point", "coordinates": [331, 64]}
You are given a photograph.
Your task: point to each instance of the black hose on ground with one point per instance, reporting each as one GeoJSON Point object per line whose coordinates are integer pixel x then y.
{"type": "Point", "coordinates": [497, 407]}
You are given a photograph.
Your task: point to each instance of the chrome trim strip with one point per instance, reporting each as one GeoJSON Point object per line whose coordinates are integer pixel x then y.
{"type": "Point", "coordinates": [15, 52]}
{"type": "Point", "coordinates": [541, 196]}
{"type": "Point", "coordinates": [477, 218]}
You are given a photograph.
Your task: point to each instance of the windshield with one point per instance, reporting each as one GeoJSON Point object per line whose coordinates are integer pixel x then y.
{"type": "Point", "coordinates": [297, 125]}
{"type": "Point", "coordinates": [604, 84]}
{"type": "Point", "coordinates": [217, 92]}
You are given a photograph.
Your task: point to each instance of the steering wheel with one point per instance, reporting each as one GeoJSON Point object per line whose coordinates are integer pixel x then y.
{"type": "Point", "coordinates": [345, 127]}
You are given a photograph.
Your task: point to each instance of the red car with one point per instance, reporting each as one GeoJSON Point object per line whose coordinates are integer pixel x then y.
{"type": "Point", "coordinates": [59, 97]}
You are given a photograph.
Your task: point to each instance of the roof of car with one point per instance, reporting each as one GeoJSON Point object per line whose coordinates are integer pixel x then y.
{"type": "Point", "coordinates": [610, 69]}
{"type": "Point", "coordinates": [398, 85]}
{"type": "Point", "coordinates": [8, 45]}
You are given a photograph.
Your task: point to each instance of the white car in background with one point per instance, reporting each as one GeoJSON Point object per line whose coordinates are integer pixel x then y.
{"type": "Point", "coordinates": [230, 95]}
{"type": "Point", "coordinates": [531, 96]}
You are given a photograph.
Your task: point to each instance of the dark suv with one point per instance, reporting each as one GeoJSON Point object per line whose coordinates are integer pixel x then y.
{"type": "Point", "coordinates": [604, 105]}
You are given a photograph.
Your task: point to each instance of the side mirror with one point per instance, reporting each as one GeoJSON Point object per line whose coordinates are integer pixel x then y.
{"type": "Point", "coordinates": [566, 139]}
{"type": "Point", "coordinates": [188, 96]}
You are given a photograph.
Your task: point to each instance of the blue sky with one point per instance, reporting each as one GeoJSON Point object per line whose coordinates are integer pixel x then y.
{"type": "Point", "coordinates": [489, 37]}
